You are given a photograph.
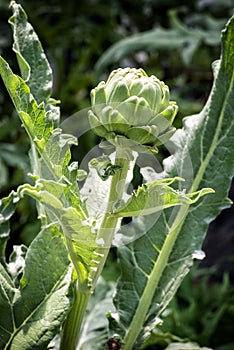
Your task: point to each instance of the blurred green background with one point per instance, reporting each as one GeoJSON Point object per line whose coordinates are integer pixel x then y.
{"type": "Point", "coordinates": [84, 40]}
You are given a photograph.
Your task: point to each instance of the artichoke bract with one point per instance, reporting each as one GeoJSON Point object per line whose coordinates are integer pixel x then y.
{"type": "Point", "coordinates": [132, 108]}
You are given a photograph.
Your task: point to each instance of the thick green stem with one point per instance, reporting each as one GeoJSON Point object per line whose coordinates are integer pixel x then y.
{"type": "Point", "coordinates": [105, 234]}
{"type": "Point", "coordinates": [74, 319]}
{"type": "Point", "coordinates": [109, 222]}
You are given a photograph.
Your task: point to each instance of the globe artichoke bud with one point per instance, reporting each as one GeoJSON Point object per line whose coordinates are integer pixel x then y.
{"type": "Point", "coordinates": [132, 108]}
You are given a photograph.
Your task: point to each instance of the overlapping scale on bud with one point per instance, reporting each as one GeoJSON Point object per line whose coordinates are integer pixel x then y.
{"type": "Point", "coordinates": [130, 105]}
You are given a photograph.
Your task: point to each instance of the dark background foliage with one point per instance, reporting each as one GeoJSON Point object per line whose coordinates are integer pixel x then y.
{"type": "Point", "coordinates": [75, 34]}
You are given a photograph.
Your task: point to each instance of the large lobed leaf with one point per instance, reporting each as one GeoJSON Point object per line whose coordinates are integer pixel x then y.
{"type": "Point", "coordinates": [35, 311]}
{"type": "Point", "coordinates": [31, 315]}
{"type": "Point", "coordinates": [56, 189]}
{"type": "Point", "coordinates": [154, 265]}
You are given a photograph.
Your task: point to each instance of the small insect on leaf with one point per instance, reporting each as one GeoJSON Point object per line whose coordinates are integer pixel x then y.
{"type": "Point", "coordinates": [104, 167]}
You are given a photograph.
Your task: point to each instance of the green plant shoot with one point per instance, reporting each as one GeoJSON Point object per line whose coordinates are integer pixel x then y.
{"type": "Point", "coordinates": [169, 211]}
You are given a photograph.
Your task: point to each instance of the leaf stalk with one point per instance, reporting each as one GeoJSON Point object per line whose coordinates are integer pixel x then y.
{"type": "Point", "coordinates": [153, 280]}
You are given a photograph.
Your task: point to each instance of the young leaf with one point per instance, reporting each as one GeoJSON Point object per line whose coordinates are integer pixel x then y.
{"type": "Point", "coordinates": [34, 312]}
{"type": "Point", "coordinates": [55, 158]}
{"type": "Point", "coordinates": [32, 115]}
{"type": "Point", "coordinates": [80, 238]}
{"type": "Point", "coordinates": [156, 196]}
{"type": "Point", "coordinates": [154, 265]}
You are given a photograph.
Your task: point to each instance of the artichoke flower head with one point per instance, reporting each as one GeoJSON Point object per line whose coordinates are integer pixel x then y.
{"type": "Point", "coordinates": [132, 108]}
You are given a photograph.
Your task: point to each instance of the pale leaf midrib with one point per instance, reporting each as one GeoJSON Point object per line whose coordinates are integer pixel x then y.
{"type": "Point", "coordinates": [154, 278]}
{"type": "Point", "coordinates": [215, 141]}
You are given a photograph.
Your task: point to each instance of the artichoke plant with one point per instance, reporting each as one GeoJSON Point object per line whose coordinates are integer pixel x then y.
{"type": "Point", "coordinates": [132, 108]}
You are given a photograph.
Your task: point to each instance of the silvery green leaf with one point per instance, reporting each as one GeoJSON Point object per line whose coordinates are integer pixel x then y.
{"type": "Point", "coordinates": [154, 265]}
{"type": "Point", "coordinates": [34, 66]}
{"type": "Point", "coordinates": [34, 311]}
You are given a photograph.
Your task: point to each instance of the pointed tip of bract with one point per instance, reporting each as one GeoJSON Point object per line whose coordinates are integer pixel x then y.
{"type": "Point", "coordinates": [95, 124]}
